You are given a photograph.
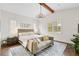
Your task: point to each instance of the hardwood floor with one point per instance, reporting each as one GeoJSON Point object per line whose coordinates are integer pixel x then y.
{"type": "Point", "coordinates": [67, 52]}
{"type": "Point", "coordinates": [0, 51]}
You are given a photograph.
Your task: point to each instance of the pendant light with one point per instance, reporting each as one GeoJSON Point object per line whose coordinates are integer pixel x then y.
{"type": "Point", "coordinates": [40, 15]}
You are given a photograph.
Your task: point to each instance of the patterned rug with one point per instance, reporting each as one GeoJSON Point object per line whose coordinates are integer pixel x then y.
{"type": "Point", "coordinates": [55, 50]}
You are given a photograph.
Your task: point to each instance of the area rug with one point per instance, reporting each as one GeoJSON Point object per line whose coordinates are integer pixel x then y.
{"type": "Point", "coordinates": [55, 50]}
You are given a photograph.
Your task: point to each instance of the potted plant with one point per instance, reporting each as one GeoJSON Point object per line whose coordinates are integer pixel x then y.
{"type": "Point", "coordinates": [75, 40]}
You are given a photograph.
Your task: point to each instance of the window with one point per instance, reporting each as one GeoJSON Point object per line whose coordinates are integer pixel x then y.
{"type": "Point", "coordinates": [49, 27]}
{"type": "Point", "coordinates": [54, 27]}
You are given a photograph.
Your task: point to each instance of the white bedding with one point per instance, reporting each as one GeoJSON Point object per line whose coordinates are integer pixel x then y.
{"type": "Point", "coordinates": [24, 38]}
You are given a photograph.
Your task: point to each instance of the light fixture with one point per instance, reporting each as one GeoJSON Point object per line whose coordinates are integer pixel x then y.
{"type": "Point", "coordinates": [40, 15]}
{"type": "Point", "coordinates": [59, 24]}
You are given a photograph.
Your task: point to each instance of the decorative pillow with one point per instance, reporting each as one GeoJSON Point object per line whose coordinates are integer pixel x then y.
{"type": "Point", "coordinates": [34, 46]}
{"type": "Point", "coordinates": [45, 38]}
{"type": "Point", "coordinates": [31, 44]}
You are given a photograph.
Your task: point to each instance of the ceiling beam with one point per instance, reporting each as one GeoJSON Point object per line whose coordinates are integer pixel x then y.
{"type": "Point", "coordinates": [47, 7]}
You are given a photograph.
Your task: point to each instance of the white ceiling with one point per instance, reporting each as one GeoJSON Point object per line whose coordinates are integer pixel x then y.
{"type": "Point", "coordinates": [33, 9]}
{"type": "Point", "coordinates": [62, 6]}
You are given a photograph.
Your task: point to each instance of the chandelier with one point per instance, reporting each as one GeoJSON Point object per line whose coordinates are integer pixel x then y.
{"type": "Point", "coordinates": [40, 15]}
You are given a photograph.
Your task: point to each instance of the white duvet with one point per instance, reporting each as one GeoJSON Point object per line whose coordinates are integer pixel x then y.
{"type": "Point", "coordinates": [24, 38]}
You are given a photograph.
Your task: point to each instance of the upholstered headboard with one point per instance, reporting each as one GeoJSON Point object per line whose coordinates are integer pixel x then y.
{"type": "Point", "coordinates": [25, 30]}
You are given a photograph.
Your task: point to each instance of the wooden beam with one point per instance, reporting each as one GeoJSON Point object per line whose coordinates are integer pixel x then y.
{"type": "Point", "coordinates": [47, 7]}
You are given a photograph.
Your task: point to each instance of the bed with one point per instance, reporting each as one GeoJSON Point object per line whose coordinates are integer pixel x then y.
{"type": "Point", "coordinates": [25, 35]}
{"type": "Point", "coordinates": [32, 42]}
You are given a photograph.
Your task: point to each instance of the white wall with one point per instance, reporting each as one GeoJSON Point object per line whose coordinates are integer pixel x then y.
{"type": "Point", "coordinates": [69, 21]}
{"type": "Point", "coordinates": [0, 26]}
{"type": "Point", "coordinates": [6, 18]}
